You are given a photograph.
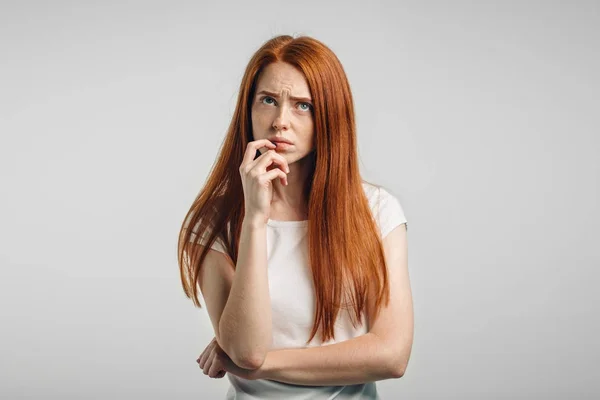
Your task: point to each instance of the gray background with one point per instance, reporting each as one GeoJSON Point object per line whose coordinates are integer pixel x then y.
{"type": "Point", "coordinates": [482, 117]}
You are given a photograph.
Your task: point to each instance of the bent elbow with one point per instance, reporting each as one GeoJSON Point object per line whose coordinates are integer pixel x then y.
{"type": "Point", "coordinates": [253, 361]}
{"type": "Point", "coordinates": [244, 359]}
{"type": "Point", "coordinates": [398, 366]}
{"type": "Point", "coordinates": [243, 354]}
{"type": "Point", "coordinates": [398, 363]}
{"type": "Point", "coordinates": [398, 372]}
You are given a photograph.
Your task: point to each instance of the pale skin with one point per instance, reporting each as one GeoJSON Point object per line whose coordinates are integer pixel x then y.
{"type": "Point", "coordinates": [382, 353]}
{"type": "Point", "coordinates": [282, 108]}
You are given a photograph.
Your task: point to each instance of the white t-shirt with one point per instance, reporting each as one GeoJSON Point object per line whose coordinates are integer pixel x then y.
{"type": "Point", "coordinates": [292, 316]}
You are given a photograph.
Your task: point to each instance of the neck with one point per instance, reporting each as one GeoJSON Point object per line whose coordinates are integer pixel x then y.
{"type": "Point", "coordinates": [291, 200]}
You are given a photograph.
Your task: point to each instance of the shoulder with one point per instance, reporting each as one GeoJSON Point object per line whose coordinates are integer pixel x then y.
{"type": "Point", "coordinates": [201, 232]}
{"type": "Point", "coordinates": [386, 207]}
{"type": "Point", "coordinates": [372, 192]}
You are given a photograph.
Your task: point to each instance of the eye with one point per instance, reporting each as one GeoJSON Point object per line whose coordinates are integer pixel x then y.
{"type": "Point", "coordinates": [308, 106]}
{"type": "Point", "coordinates": [266, 98]}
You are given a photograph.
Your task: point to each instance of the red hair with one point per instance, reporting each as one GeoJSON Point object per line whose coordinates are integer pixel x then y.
{"type": "Point", "coordinates": [345, 249]}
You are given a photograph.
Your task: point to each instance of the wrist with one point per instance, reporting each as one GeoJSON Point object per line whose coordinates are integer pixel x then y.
{"type": "Point", "coordinates": [254, 222]}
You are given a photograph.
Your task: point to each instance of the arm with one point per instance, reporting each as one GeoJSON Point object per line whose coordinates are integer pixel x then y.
{"type": "Point", "coordinates": [382, 353]}
{"type": "Point", "coordinates": [245, 323]}
{"type": "Point", "coordinates": [358, 360]}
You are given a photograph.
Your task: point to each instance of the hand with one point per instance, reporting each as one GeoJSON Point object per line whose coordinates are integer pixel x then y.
{"type": "Point", "coordinates": [214, 362]}
{"type": "Point", "coordinates": [256, 178]}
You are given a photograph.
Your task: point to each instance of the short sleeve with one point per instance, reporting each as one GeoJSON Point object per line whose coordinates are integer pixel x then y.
{"type": "Point", "coordinates": [217, 244]}
{"type": "Point", "coordinates": [390, 212]}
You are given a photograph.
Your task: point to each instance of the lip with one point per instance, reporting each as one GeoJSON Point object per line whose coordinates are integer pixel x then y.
{"type": "Point", "coordinates": [282, 146]}
{"type": "Point", "coordinates": [280, 140]}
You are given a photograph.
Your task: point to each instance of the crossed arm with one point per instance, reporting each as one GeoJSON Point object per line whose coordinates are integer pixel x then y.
{"type": "Point", "coordinates": [382, 353]}
{"type": "Point", "coordinates": [362, 359]}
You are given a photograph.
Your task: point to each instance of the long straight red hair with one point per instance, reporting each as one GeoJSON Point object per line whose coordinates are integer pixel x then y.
{"type": "Point", "coordinates": [345, 249]}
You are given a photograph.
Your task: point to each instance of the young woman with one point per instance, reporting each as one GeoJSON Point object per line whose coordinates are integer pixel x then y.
{"type": "Point", "coordinates": [293, 242]}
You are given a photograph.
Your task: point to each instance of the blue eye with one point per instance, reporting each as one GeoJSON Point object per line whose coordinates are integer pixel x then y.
{"type": "Point", "coordinates": [266, 97]}
{"type": "Point", "coordinates": [308, 106]}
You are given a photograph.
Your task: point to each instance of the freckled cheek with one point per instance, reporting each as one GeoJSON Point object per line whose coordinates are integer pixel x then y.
{"type": "Point", "coordinates": [259, 120]}
{"type": "Point", "coordinates": [263, 117]}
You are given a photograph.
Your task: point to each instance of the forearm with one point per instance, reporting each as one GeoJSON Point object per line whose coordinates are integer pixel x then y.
{"type": "Point", "coordinates": [245, 324]}
{"type": "Point", "coordinates": [358, 360]}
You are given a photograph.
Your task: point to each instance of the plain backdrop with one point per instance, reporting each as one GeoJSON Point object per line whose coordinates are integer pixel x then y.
{"type": "Point", "coordinates": [481, 117]}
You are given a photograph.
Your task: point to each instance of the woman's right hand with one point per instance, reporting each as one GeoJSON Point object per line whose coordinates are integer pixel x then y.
{"type": "Point", "coordinates": [257, 176]}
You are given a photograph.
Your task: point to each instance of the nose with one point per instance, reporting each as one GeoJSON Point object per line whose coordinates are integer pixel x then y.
{"type": "Point", "coordinates": [282, 121]}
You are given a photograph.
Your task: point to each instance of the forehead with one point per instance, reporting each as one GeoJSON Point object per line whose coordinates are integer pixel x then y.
{"type": "Point", "coordinates": [280, 76]}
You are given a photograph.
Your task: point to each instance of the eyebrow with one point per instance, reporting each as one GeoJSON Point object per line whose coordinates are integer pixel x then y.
{"type": "Point", "coordinates": [291, 97]}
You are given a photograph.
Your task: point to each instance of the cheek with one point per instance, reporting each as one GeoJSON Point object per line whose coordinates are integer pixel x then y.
{"type": "Point", "coordinates": [309, 133]}
{"type": "Point", "coordinates": [257, 126]}
{"type": "Point", "coordinates": [260, 119]}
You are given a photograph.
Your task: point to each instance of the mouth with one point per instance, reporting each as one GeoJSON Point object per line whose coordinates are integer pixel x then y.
{"type": "Point", "coordinates": [282, 146]}
{"type": "Point", "coordinates": [279, 141]}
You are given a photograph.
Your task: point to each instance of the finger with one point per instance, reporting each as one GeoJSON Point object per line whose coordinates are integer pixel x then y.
{"type": "Point", "coordinates": [268, 159]}
{"type": "Point", "coordinates": [212, 344]}
{"type": "Point", "coordinates": [275, 173]}
{"type": "Point", "coordinates": [215, 368]}
{"type": "Point", "coordinates": [204, 356]}
{"type": "Point", "coordinates": [252, 148]}
{"type": "Point", "coordinates": [209, 362]}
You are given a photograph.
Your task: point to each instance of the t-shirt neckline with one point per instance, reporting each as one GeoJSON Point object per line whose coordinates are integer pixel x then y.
{"type": "Point", "coordinates": [277, 223]}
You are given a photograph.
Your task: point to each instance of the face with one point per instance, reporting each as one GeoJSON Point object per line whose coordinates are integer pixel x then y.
{"type": "Point", "coordinates": [282, 108]}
